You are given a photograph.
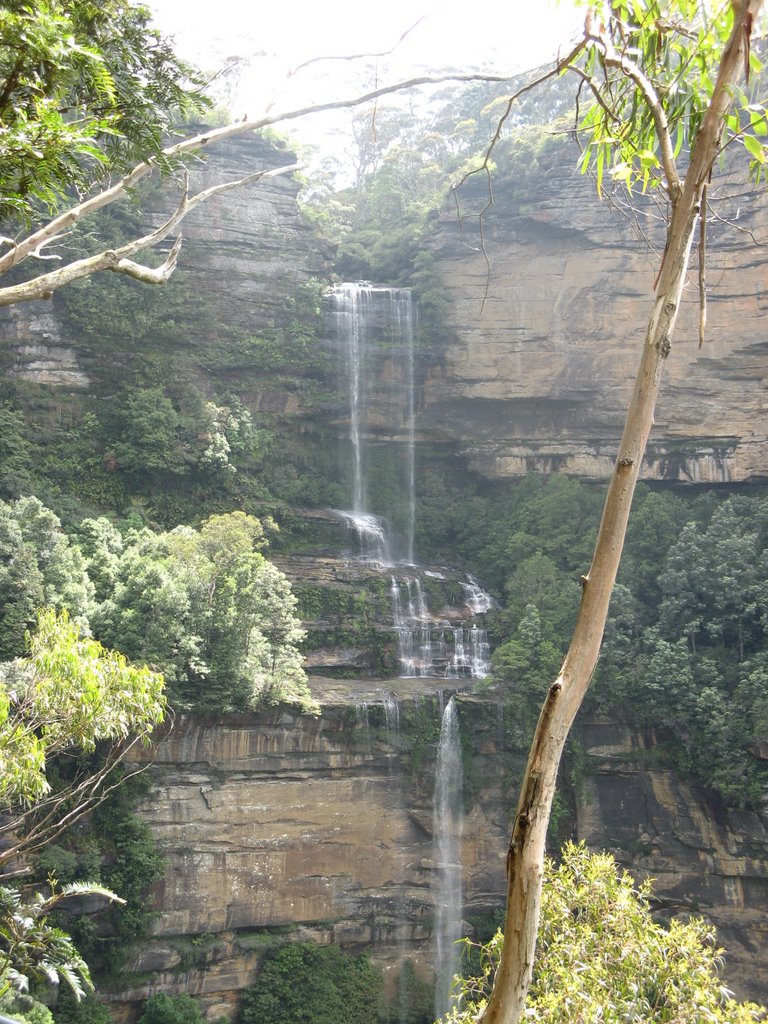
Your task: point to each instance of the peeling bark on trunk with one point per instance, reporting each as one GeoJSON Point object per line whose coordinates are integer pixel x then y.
{"type": "Point", "coordinates": [525, 858]}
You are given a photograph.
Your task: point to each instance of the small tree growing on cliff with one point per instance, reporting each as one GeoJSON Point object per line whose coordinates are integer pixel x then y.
{"type": "Point", "coordinates": [663, 79]}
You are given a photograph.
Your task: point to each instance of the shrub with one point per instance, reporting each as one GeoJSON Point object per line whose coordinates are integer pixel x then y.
{"type": "Point", "coordinates": [302, 983]}
{"type": "Point", "coordinates": [601, 957]}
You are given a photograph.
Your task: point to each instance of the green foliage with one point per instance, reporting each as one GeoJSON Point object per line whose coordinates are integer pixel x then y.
{"type": "Point", "coordinates": [302, 983]}
{"type": "Point", "coordinates": [414, 1000]}
{"type": "Point", "coordinates": [207, 609]}
{"type": "Point", "coordinates": [149, 437]}
{"type": "Point", "coordinates": [15, 452]}
{"type": "Point", "coordinates": [495, 531]}
{"type": "Point", "coordinates": [35, 951]}
{"type": "Point", "coordinates": [132, 863]}
{"type": "Point", "coordinates": [148, 431]}
{"type": "Point", "coordinates": [103, 60]}
{"type": "Point", "coordinates": [25, 1009]}
{"type": "Point", "coordinates": [68, 695]}
{"type": "Point", "coordinates": [202, 606]}
{"type": "Point", "coordinates": [89, 1010]}
{"type": "Point", "coordinates": [39, 566]}
{"type": "Point", "coordinates": [690, 661]}
{"type": "Point", "coordinates": [683, 652]}
{"type": "Point", "coordinates": [526, 664]}
{"type": "Point", "coordinates": [601, 956]}
{"type": "Point", "coordinates": [114, 845]}
{"type": "Point", "coordinates": [69, 692]}
{"type": "Point", "coordinates": [163, 1009]}
{"type": "Point", "coordinates": [670, 48]}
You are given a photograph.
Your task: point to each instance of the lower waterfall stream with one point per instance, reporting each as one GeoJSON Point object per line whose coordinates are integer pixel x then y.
{"type": "Point", "coordinates": [446, 857]}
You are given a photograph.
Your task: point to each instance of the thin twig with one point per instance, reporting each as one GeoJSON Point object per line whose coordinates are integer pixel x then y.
{"type": "Point", "coordinates": [360, 56]}
{"type": "Point", "coordinates": [703, 266]}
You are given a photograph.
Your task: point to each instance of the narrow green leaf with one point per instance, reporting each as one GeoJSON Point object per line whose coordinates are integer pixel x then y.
{"type": "Point", "coordinates": [755, 149]}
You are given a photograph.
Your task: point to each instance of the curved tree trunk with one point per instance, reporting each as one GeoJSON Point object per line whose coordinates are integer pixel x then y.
{"type": "Point", "coordinates": [525, 858]}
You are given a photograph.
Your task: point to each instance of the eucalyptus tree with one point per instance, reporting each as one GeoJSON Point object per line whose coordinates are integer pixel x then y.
{"type": "Point", "coordinates": [65, 700]}
{"type": "Point", "coordinates": [663, 79]}
{"type": "Point", "coordinates": [67, 696]}
{"type": "Point", "coordinates": [205, 608]}
{"type": "Point", "coordinates": [604, 958]}
{"type": "Point", "coordinates": [39, 568]}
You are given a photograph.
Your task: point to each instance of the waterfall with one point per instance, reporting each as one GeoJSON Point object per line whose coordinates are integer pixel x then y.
{"type": "Point", "coordinates": [392, 718]}
{"type": "Point", "coordinates": [427, 646]}
{"type": "Point", "coordinates": [477, 599]}
{"type": "Point", "coordinates": [405, 330]}
{"type": "Point", "coordinates": [374, 328]}
{"type": "Point", "coordinates": [371, 540]}
{"type": "Point", "coordinates": [446, 855]}
{"type": "Point", "coordinates": [415, 642]}
{"type": "Point", "coordinates": [471, 654]}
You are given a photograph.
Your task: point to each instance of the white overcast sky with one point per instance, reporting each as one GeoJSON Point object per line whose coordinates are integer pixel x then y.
{"type": "Point", "coordinates": [278, 35]}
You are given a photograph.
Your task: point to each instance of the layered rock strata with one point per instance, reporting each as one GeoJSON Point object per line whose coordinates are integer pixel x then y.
{"type": "Point", "coordinates": [705, 859]}
{"type": "Point", "coordinates": [244, 255]}
{"type": "Point", "coordinates": [545, 334]}
{"type": "Point", "coordinates": [283, 827]}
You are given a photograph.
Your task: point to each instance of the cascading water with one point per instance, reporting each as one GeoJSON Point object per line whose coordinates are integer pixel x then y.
{"type": "Point", "coordinates": [471, 654]}
{"type": "Point", "coordinates": [405, 320]}
{"type": "Point", "coordinates": [427, 646]}
{"type": "Point", "coordinates": [477, 599]}
{"type": "Point", "coordinates": [374, 329]}
{"type": "Point", "coordinates": [446, 855]}
{"type": "Point", "coordinates": [371, 541]}
{"type": "Point", "coordinates": [415, 643]}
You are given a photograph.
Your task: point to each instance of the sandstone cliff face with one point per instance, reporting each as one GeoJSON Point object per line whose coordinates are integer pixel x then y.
{"type": "Point", "coordinates": [281, 827]}
{"type": "Point", "coordinates": [538, 371]}
{"type": "Point", "coordinates": [540, 349]}
{"type": "Point", "coordinates": [706, 859]}
{"type": "Point", "coordinates": [244, 253]}
{"type": "Point", "coordinates": [284, 826]}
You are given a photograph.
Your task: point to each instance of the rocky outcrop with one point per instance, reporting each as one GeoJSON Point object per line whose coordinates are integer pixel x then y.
{"type": "Point", "coordinates": [40, 351]}
{"type": "Point", "coordinates": [545, 336]}
{"type": "Point", "coordinates": [281, 826]}
{"type": "Point", "coordinates": [254, 248]}
{"type": "Point", "coordinates": [244, 256]}
{"type": "Point", "coordinates": [536, 360]}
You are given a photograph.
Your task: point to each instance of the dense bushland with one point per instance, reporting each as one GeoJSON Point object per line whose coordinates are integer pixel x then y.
{"type": "Point", "coordinates": [684, 650]}
{"type": "Point", "coordinates": [202, 606]}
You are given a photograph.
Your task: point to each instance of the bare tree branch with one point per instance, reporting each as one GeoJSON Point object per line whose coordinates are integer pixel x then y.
{"type": "Point", "coordinates": [119, 260]}
{"type": "Point", "coordinates": [27, 831]}
{"type": "Point", "coordinates": [44, 286]}
{"type": "Point", "coordinates": [152, 275]}
{"type": "Point", "coordinates": [484, 167]}
{"type": "Point", "coordinates": [359, 56]}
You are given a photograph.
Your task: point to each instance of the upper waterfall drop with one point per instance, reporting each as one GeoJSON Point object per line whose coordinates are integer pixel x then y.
{"type": "Point", "coordinates": [373, 331]}
{"type": "Point", "coordinates": [374, 328]}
